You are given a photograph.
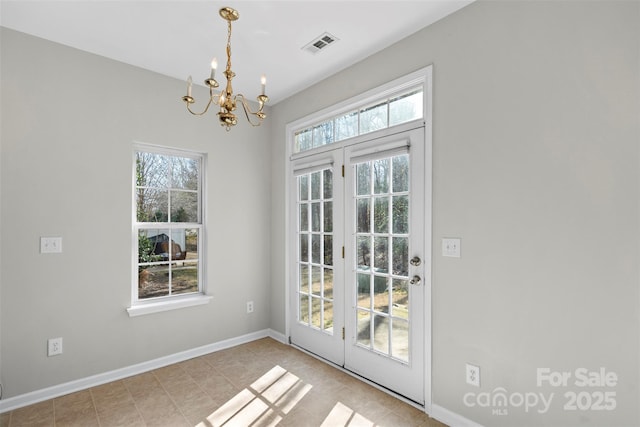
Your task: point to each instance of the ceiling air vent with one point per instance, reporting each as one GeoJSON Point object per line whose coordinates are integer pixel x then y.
{"type": "Point", "coordinates": [320, 42]}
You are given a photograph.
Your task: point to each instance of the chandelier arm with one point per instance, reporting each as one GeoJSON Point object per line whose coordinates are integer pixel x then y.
{"type": "Point", "coordinates": [247, 111]}
{"type": "Point", "coordinates": [211, 101]}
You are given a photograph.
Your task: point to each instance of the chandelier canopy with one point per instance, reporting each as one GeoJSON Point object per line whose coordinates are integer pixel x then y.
{"type": "Point", "coordinates": [226, 98]}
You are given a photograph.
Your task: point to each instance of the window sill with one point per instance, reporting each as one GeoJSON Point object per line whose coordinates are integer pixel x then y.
{"type": "Point", "coordinates": [173, 304]}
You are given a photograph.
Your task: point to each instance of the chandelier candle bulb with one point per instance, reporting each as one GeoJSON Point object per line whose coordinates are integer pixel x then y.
{"type": "Point", "coordinates": [263, 83]}
{"type": "Point", "coordinates": [214, 67]}
{"type": "Point", "coordinates": [189, 83]}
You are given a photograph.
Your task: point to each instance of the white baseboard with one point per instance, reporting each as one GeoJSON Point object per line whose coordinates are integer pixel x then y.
{"type": "Point", "coordinates": [117, 374]}
{"type": "Point", "coordinates": [451, 418]}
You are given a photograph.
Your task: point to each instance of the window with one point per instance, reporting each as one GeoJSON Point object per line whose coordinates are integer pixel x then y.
{"type": "Point", "coordinates": [168, 228]}
{"type": "Point", "coordinates": [399, 108]}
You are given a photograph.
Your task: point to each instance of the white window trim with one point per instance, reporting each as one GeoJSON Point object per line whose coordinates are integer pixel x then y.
{"type": "Point", "coordinates": [143, 307]}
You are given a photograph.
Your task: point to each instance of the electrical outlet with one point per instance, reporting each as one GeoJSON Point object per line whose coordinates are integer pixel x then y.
{"type": "Point", "coordinates": [50, 245]}
{"type": "Point", "coordinates": [249, 306]}
{"type": "Point", "coordinates": [54, 346]}
{"type": "Point", "coordinates": [451, 248]}
{"type": "Point", "coordinates": [473, 375]}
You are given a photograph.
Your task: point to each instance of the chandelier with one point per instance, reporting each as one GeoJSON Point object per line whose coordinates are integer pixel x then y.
{"type": "Point", "coordinates": [225, 98]}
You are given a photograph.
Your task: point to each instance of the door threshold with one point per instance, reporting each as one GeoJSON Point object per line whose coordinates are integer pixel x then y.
{"type": "Point", "coordinates": [386, 390]}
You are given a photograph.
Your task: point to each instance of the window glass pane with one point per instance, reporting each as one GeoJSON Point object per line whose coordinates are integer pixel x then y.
{"type": "Point", "coordinates": [381, 173]}
{"type": "Point", "coordinates": [184, 278]}
{"type": "Point", "coordinates": [152, 205]}
{"type": "Point", "coordinates": [347, 126]}
{"type": "Point", "coordinates": [405, 108]}
{"type": "Point", "coordinates": [191, 243]}
{"type": "Point", "coordinates": [323, 134]}
{"type": "Point", "coordinates": [401, 173]}
{"type": "Point", "coordinates": [184, 173]}
{"type": "Point", "coordinates": [303, 140]}
{"type": "Point", "coordinates": [381, 215]}
{"type": "Point", "coordinates": [179, 244]}
{"type": "Point", "coordinates": [363, 179]}
{"type": "Point", "coordinates": [152, 170]}
{"type": "Point", "coordinates": [184, 206]}
{"type": "Point", "coordinates": [373, 118]}
{"type": "Point", "coordinates": [153, 281]}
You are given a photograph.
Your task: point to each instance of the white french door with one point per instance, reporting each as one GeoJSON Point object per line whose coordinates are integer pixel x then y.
{"type": "Point", "coordinates": [359, 241]}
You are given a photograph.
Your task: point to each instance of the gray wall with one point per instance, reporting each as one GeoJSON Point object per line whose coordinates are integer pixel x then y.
{"type": "Point", "coordinates": [536, 160]}
{"type": "Point", "coordinates": [68, 123]}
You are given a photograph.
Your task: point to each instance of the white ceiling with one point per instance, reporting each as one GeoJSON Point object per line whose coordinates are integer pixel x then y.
{"type": "Point", "coordinates": [179, 38]}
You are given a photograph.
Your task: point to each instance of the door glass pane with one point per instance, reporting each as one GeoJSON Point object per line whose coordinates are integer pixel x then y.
{"type": "Point", "coordinates": [401, 256]}
{"type": "Point", "coordinates": [304, 308]}
{"type": "Point", "coordinates": [328, 250]}
{"type": "Point", "coordinates": [316, 312]}
{"type": "Point", "coordinates": [381, 333]}
{"type": "Point", "coordinates": [315, 186]}
{"type": "Point", "coordinates": [304, 187]}
{"type": "Point", "coordinates": [381, 254]}
{"type": "Point", "coordinates": [304, 247]}
{"type": "Point", "coordinates": [328, 283]}
{"type": "Point", "coordinates": [363, 216]}
{"type": "Point", "coordinates": [380, 294]}
{"type": "Point", "coordinates": [381, 215]}
{"type": "Point", "coordinates": [316, 283]}
{"type": "Point", "coordinates": [363, 252]}
{"type": "Point", "coordinates": [400, 214]}
{"type": "Point", "coordinates": [328, 316]}
{"type": "Point", "coordinates": [304, 217]}
{"type": "Point", "coordinates": [327, 184]}
{"type": "Point", "coordinates": [400, 298]}
{"type": "Point", "coordinates": [328, 217]}
{"type": "Point", "coordinates": [304, 278]}
{"type": "Point", "coordinates": [400, 341]}
{"type": "Point", "coordinates": [364, 327]}
{"type": "Point", "coordinates": [400, 173]}
{"type": "Point", "coordinates": [363, 179]}
{"type": "Point", "coordinates": [315, 216]}
{"type": "Point", "coordinates": [381, 173]}
{"type": "Point", "coordinates": [364, 290]}
{"type": "Point", "coordinates": [315, 248]}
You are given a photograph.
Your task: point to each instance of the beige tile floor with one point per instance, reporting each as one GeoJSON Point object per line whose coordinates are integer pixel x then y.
{"type": "Point", "coordinates": [262, 383]}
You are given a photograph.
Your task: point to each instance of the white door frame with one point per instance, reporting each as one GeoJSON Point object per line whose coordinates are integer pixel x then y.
{"type": "Point", "coordinates": [425, 76]}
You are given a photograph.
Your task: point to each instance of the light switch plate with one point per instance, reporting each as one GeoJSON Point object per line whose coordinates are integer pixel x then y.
{"type": "Point", "coordinates": [451, 248]}
{"type": "Point", "coordinates": [50, 245]}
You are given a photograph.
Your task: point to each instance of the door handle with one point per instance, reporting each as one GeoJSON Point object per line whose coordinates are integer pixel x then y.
{"type": "Point", "coordinates": [415, 280]}
{"type": "Point", "coordinates": [415, 261]}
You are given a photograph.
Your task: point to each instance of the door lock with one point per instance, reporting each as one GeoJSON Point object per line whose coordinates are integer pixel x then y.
{"type": "Point", "coordinates": [415, 261]}
{"type": "Point", "coordinates": [415, 280]}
